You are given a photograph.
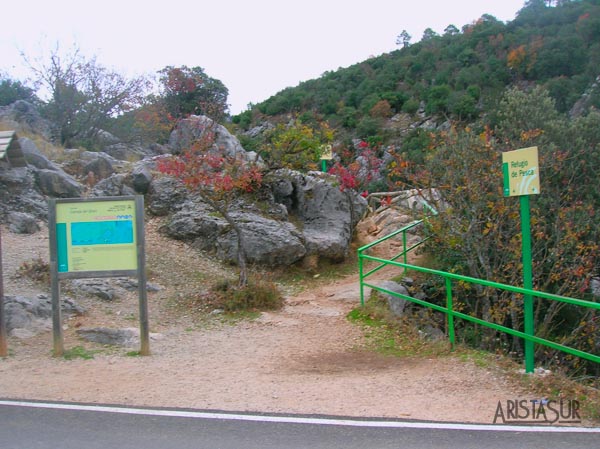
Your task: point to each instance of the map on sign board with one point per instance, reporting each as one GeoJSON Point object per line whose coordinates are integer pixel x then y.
{"type": "Point", "coordinates": [96, 236]}
{"type": "Point", "coordinates": [521, 172]}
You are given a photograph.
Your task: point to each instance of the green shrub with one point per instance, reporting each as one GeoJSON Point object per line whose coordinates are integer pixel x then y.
{"type": "Point", "coordinates": [410, 106]}
{"type": "Point", "coordinates": [258, 294]}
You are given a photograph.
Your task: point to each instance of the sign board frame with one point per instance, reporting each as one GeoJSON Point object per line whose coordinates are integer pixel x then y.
{"type": "Point", "coordinates": [97, 237]}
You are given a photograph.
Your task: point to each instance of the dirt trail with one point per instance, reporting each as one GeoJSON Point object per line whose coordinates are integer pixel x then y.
{"type": "Point", "coordinates": [305, 358]}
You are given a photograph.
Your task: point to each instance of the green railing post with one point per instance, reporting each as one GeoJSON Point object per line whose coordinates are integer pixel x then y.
{"type": "Point", "coordinates": [527, 282]}
{"type": "Point", "coordinates": [360, 277]}
{"type": "Point", "coordinates": [404, 249]}
{"type": "Point", "coordinates": [450, 315]}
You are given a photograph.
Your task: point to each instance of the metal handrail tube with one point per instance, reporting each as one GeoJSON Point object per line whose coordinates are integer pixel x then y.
{"type": "Point", "coordinates": [449, 277]}
{"type": "Point", "coordinates": [511, 288]}
{"type": "Point", "coordinates": [498, 327]}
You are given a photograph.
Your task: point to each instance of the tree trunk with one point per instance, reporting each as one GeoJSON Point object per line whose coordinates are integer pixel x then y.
{"type": "Point", "coordinates": [241, 252]}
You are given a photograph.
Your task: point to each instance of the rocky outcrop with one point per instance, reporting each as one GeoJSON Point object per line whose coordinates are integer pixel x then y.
{"type": "Point", "coordinates": [28, 316]}
{"type": "Point", "coordinates": [165, 195]}
{"type": "Point", "coordinates": [117, 185]}
{"type": "Point", "coordinates": [27, 189]}
{"type": "Point", "coordinates": [198, 128]}
{"type": "Point", "coordinates": [327, 214]}
{"type": "Point", "coordinates": [22, 223]}
{"type": "Point", "coordinates": [293, 215]}
{"type": "Point", "coordinates": [19, 193]}
{"type": "Point", "coordinates": [266, 241]}
{"type": "Point", "coordinates": [57, 184]}
{"type": "Point", "coordinates": [25, 116]}
{"type": "Point", "coordinates": [34, 156]}
{"type": "Point", "coordinates": [298, 215]}
{"type": "Point", "coordinates": [125, 152]}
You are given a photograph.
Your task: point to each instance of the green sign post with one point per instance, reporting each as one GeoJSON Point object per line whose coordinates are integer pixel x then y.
{"type": "Point", "coordinates": [521, 178]}
{"type": "Point", "coordinates": [326, 155]}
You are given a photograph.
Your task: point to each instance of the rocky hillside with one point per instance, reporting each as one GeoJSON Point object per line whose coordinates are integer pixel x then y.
{"type": "Point", "coordinates": [294, 217]}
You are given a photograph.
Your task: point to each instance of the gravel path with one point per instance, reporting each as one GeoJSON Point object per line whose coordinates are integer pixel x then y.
{"type": "Point", "coordinates": [306, 358]}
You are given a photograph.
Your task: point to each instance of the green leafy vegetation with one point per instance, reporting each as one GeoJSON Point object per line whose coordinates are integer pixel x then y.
{"type": "Point", "coordinates": [13, 90]}
{"type": "Point", "coordinates": [478, 232]}
{"type": "Point", "coordinates": [459, 74]}
{"type": "Point", "coordinates": [258, 294]}
{"type": "Point", "coordinates": [397, 336]}
{"type": "Point", "coordinates": [228, 301]}
{"type": "Point", "coordinates": [78, 352]}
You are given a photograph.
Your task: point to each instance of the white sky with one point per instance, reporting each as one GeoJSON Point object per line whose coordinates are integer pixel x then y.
{"type": "Point", "coordinates": [255, 47]}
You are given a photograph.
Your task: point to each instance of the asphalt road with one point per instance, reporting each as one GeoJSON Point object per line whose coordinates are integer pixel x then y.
{"type": "Point", "coordinates": [77, 426]}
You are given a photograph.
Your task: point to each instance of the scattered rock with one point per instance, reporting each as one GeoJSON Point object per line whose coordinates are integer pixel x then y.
{"type": "Point", "coordinates": [96, 287]}
{"type": "Point", "coordinates": [22, 223]}
{"type": "Point", "coordinates": [165, 195]}
{"type": "Point", "coordinates": [34, 156]}
{"type": "Point", "coordinates": [195, 127]}
{"type": "Point", "coordinates": [396, 305]}
{"type": "Point", "coordinates": [30, 316]}
{"type": "Point", "coordinates": [128, 337]}
{"type": "Point", "coordinates": [57, 184]}
{"type": "Point", "coordinates": [132, 284]}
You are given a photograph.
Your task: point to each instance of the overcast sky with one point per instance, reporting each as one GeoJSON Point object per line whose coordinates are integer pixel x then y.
{"type": "Point", "coordinates": [255, 47]}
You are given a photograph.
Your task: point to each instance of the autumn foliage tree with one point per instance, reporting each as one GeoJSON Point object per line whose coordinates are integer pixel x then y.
{"type": "Point", "coordinates": [295, 145]}
{"type": "Point", "coordinates": [356, 170]}
{"type": "Point", "coordinates": [187, 91]}
{"type": "Point", "coordinates": [217, 179]}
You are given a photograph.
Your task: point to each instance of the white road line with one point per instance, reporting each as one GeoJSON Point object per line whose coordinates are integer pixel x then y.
{"type": "Point", "coordinates": [299, 419]}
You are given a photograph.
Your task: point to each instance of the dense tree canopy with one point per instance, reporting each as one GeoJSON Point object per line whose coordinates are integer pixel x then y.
{"type": "Point", "coordinates": [555, 44]}
{"type": "Point", "coordinates": [13, 90]}
{"type": "Point", "coordinates": [187, 91]}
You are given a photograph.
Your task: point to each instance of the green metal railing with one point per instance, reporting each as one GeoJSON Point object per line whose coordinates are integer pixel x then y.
{"type": "Point", "coordinates": [449, 278]}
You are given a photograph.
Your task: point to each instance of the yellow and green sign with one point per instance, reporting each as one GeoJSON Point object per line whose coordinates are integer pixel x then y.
{"type": "Point", "coordinates": [96, 236]}
{"type": "Point", "coordinates": [521, 172]}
